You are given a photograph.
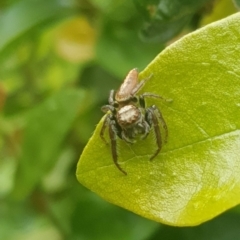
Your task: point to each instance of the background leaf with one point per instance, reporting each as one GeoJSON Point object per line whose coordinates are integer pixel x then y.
{"type": "Point", "coordinates": [25, 15]}
{"type": "Point", "coordinates": [119, 45]}
{"type": "Point", "coordinates": [221, 10]}
{"type": "Point", "coordinates": [196, 176]}
{"type": "Point", "coordinates": [49, 122]}
{"type": "Point", "coordinates": [217, 227]}
{"type": "Point", "coordinates": [165, 19]}
{"type": "Point", "coordinates": [237, 3]}
{"type": "Point", "coordinates": [126, 225]}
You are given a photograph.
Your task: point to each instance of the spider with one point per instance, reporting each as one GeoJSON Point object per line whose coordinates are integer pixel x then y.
{"type": "Point", "coordinates": [128, 117]}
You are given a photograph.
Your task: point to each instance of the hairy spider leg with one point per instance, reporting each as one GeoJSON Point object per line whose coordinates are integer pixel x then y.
{"type": "Point", "coordinates": [151, 95]}
{"type": "Point", "coordinates": [113, 132]}
{"type": "Point", "coordinates": [143, 105]}
{"type": "Point", "coordinates": [113, 137]}
{"type": "Point", "coordinates": [140, 85]}
{"type": "Point", "coordinates": [163, 123]}
{"type": "Point", "coordinates": [106, 121]}
{"type": "Point", "coordinates": [107, 108]}
{"type": "Point", "coordinates": [146, 130]}
{"type": "Point", "coordinates": [152, 118]}
{"type": "Point", "coordinates": [111, 97]}
{"type": "Point", "coordinates": [160, 117]}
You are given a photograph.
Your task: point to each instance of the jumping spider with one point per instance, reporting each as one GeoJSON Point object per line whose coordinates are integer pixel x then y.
{"type": "Point", "coordinates": [127, 116]}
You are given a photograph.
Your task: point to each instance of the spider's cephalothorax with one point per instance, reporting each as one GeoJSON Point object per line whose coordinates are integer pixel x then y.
{"type": "Point", "coordinates": [127, 117]}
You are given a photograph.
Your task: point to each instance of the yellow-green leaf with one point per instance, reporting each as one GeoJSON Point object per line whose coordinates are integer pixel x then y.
{"type": "Point", "coordinates": [197, 174]}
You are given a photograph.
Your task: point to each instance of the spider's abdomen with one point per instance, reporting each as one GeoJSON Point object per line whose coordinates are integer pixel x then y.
{"type": "Point", "coordinates": [128, 116]}
{"type": "Point", "coordinates": [125, 91]}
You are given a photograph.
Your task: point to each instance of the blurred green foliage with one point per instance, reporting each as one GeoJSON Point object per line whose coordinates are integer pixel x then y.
{"type": "Point", "coordinates": [164, 19]}
{"type": "Point", "coordinates": [237, 3]}
{"type": "Point", "coordinates": [59, 59]}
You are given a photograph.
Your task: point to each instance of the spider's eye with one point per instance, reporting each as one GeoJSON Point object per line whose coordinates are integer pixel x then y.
{"type": "Point", "coordinates": [116, 105]}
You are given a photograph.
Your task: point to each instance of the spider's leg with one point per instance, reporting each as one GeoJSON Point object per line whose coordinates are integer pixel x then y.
{"type": "Point", "coordinates": [142, 101]}
{"type": "Point", "coordinates": [113, 138]}
{"type": "Point", "coordinates": [107, 108]}
{"type": "Point", "coordinates": [152, 95]}
{"type": "Point", "coordinates": [146, 130]}
{"type": "Point", "coordinates": [107, 119]}
{"type": "Point", "coordinates": [154, 111]}
{"type": "Point", "coordinates": [140, 85]}
{"type": "Point", "coordinates": [152, 119]}
{"type": "Point", "coordinates": [163, 123]}
{"type": "Point", "coordinates": [111, 97]}
{"type": "Point", "coordinates": [105, 124]}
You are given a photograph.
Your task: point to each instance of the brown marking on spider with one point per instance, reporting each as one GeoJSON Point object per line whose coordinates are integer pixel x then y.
{"type": "Point", "coordinates": [127, 116]}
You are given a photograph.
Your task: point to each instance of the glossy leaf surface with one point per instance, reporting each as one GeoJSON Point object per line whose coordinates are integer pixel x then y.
{"type": "Point", "coordinates": [197, 174]}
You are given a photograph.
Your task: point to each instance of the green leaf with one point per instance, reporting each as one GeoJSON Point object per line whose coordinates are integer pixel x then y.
{"type": "Point", "coordinates": [237, 3]}
{"type": "Point", "coordinates": [221, 9]}
{"type": "Point", "coordinates": [166, 18]}
{"type": "Point", "coordinates": [125, 226]}
{"type": "Point", "coordinates": [33, 226]}
{"type": "Point", "coordinates": [125, 49]}
{"type": "Point", "coordinates": [27, 15]}
{"type": "Point", "coordinates": [46, 128]}
{"type": "Point", "coordinates": [197, 174]}
{"type": "Point", "coordinates": [224, 227]}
